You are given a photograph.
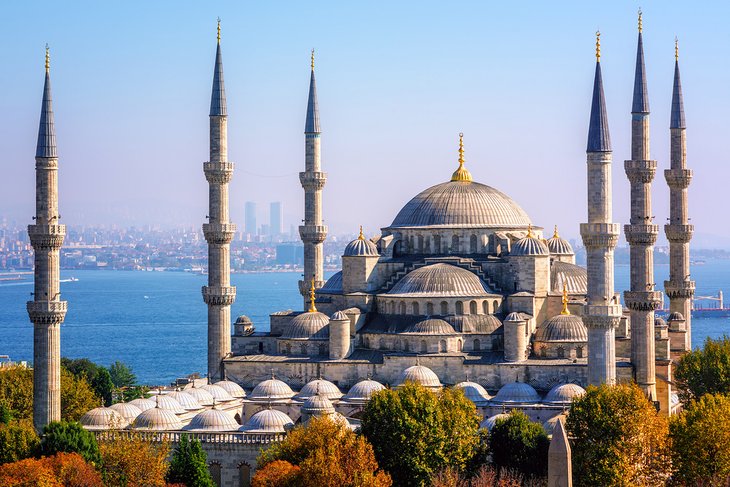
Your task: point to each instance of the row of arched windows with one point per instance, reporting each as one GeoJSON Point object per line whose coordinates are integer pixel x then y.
{"type": "Point", "coordinates": [426, 245]}
{"type": "Point", "coordinates": [414, 308]}
{"type": "Point", "coordinates": [303, 349]}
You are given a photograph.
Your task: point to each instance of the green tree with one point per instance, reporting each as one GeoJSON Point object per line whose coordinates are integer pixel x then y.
{"type": "Point", "coordinates": [701, 442]}
{"type": "Point", "coordinates": [122, 375]}
{"type": "Point", "coordinates": [619, 438]}
{"type": "Point", "coordinates": [6, 416]}
{"type": "Point", "coordinates": [70, 437]}
{"type": "Point", "coordinates": [416, 432]}
{"type": "Point", "coordinates": [519, 444]}
{"type": "Point", "coordinates": [189, 465]}
{"type": "Point", "coordinates": [77, 397]}
{"type": "Point", "coordinates": [96, 375]}
{"type": "Point", "coordinates": [705, 371]}
{"type": "Point", "coordinates": [18, 440]}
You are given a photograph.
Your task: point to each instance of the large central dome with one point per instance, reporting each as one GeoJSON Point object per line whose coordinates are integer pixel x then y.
{"type": "Point", "coordinates": [461, 204]}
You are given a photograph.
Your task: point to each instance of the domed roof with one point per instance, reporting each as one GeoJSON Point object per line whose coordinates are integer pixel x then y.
{"type": "Point", "coordinates": [333, 284]}
{"type": "Point", "coordinates": [659, 322]}
{"type": "Point", "coordinates": [529, 246]}
{"type": "Point", "coordinates": [431, 326]}
{"type": "Point", "coordinates": [271, 389]}
{"type": "Point", "coordinates": [218, 393]}
{"type": "Point", "coordinates": [317, 405]}
{"type": "Point", "coordinates": [489, 423]}
{"type": "Point", "coordinates": [481, 324]}
{"type": "Point", "coordinates": [562, 328]}
{"type": "Point", "coordinates": [573, 277]}
{"type": "Point", "coordinates": [514, 317]}
{"type": "Point", "coordinates": [203, 397]}
{"type": "Point", "coordinates": [126, 410]}
{"type": "Point", "coordinates": [363, 390]}
{"type": "Point", "coordinates": [461, 204]}
{"type": "Point", "coordinates": [232, 388]}
{"type": "Point", "coordinates": [563, 394]}
{"type": "Point", "coordinates": [558, 245]}
{"type": "Point", "coordinates": [163, 401]}
{"type": "Point", "coordinates": [311, 325]}
{"type": "Point", "coordinates": [186, 400]}
{"type": "Point", "coordinates": [243, 320]}
{"type": "Point", "coordinates": [339, 316]}
{"type": "Point", "coordinates": [268, 421]}
{"type": "Point", "coordinates": [320, 386]}
{"type": "Point", "coordinates": [676, 316]}
{"type": "Point", "coordinates": [103, 419]}
{"type": "Point", "coordinates": [439, 280]}
{"type": "Point", "coordinates": [361, 247]}
{"type": "Point", "coordinates": [157, 419]}
{"type": "Point", "coordinates": [212, 420]}
{"type": "Point", "coordinates": [142, 404]}
{"type": "Point", "coordinates": [549, 425]}
{"type": "Point", "coordinates": [516, 392]}
{"type": "Point", "coordinates": [474, 392]}
{"type": "Point", "coordinates": [420, 375]}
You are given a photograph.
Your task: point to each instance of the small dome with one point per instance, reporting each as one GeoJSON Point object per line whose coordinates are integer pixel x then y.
{"type": "Point", "coordinates": [103, 419]}
{"type": "Point", "coordinates": [271, 389]}
{"type": "Point", "coordinates": [489, 423]}
{"type": "Point", "coordinates": [187, 401]}
{"type": "Point", "coordinates": [142, 404]}
{"type": "Point", "coordinates": [474, 392]}
{"type": "Point", "coordinates": [361, 247]}
{"type": "Point", "coordinates": [333, 284]}
{"type": "Point", "coordinates": [514, 318]}
{"type": "Point", "coordinates": [563, 394]}
{"type": "Point", "coordinates": [573, 277]}
{"type": "Point", "coordinates": [480, 324]}
{"type": "Point", "coordinates": [317, 405]}
{"type": "Point", "coordinates": [562, 328]}
{"type": "Point", "coordinates": [431, 326]}
{"type": "Point", "coordinates": [516, 392]}
{"type": "Point", "coordinates": [243, 320]}
{"type": "Point", "coordinates": [319, 386]}
{"type": "Point", "coordinates": [339, 316]}
{"type": "Point", "coordinates": [528, 246]}
{"type": "Point", "coordinates": [212, 420]}
{"type": "Point", "coordinates": [218, 393]}
{"type": "Point", "coordinates": [232, 388]}
{"type": "Point", "coordinates": [268, 421]}
{"type": "Point", "coordinates": [311, 325]}
{"type": "Point", "coordinates": [440, 280]}
{"type": "Point", "coordinates": [676, 316]}
{"type": "Point", "coordinates": [549, 425]}
{"type": "Point", "coordinates": [203, 397]}
{"type": "Point", "coordinates": [558, 245]}
{"type": "Point", "coordinates": [363, 390]}
{"type": "Point", "coordinates": [659, 322]}
{"type": "Point", "coordinates": [126, 410]}
{"type": "Point", "coordinates": [420, 375]}
{"type": "Point", "coordinates": [163, 401]}
{"type": "Point", "coordinates": [157, 419]}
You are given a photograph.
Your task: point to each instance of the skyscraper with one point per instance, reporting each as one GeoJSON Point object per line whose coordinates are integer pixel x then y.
{"type": "Point", "coordinates": [276, 219]}
{"type": "Point", "coordinates": [250, 222]}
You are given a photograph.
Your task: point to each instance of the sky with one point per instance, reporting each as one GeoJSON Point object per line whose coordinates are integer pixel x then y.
{"type": "Point", "coordinates": [397, 82]}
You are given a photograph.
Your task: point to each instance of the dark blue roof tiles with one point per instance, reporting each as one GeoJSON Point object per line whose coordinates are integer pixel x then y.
{"type": "Point", "coordinates": [641, 94]}
{"type": "Point", "coordinates": [46, 130]}
{"type": "Point", "coordinates": [677, 115]}
{"type": "Point", "coordinates": [599, 139]}
{"type": "Point", "coordinates": [218, 97]}
{"type": "Point", "coordinates": [311, 126]}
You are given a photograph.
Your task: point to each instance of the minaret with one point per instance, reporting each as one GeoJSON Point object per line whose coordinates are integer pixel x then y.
{"type": "Point", "coordinates": [641, 235]}
{"type": "Point", "coordinates": [600, 235]}
{"type": "Point", "coordinates": [679, 287]}
{"type": "Point", "coordinates": [46, 311]}
{"type": "Point", "coordinates": [313, 232]}
{"type": "Point", "coordinates": [219, 295]}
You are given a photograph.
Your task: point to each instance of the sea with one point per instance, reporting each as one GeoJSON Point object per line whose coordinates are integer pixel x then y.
{"type": "Point", "coordinates": [155, 322]}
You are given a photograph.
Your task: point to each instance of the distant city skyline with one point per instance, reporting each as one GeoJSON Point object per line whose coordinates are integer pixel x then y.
{"type": "Point", "coordinates": [396, 85]}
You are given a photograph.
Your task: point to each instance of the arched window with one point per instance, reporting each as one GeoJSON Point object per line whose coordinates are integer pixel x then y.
{"type": "Point", "coordinates": [427, 246]}
{"type": "Point", "coordinates": [244, 475]}
{"type": "Point", "coordinates": [420, 244]}
{"type": "Point", "coordinates": [485, 307]}
{"type": "Point", "coordinates": [459, 308]}
{"type": "Point", "coordinates": [424, 346]}
{"type": "Point", "coordinates": [477, 345]}
{"type": "Point", "coordinates": [398, 248]}
{"type": "Point", "coordinates": [215, 472]}
{"type": "Point", "coordinates": [473, 307]}
{"type": "Point", "coordinates": [473, 244]}
{"type": "Point", "coordinates": [429, 308]}
{"type": "Point", "coordinates": [496, 344]}
{"type": "Point", "coordinates": [495, 309]}
{"type": "Point", "coordinates": [391, 307]}
{"type": "Point", "coordinates": [561, 352]}
{"type": "Point", "coordinates": [411, 244]}
{"type": "Point", "coordinates": [459, 345]}
{"type": "Point", "coordinates": [402, 308]}
{"type": "Point", "coordinates": [322, 349]}
{"type": "Point", "coordinates": [442, 345]}
{"type": "Point", "coordinates": [579, 352]}
{"type": "Point", "coordinates": [303, 349]}
{"type": "Point", "coordinates": [288, 349]}
{"type": "Point", "coordinates": [366, 342]}
{"type": "Point", "coordinates": [444, 308]}
{"type": "Point", "coordinates": [406, 346]}
{"type": "Point", "coordinates": [454, 244]}
{"type": "Point", "coordinates": [261, 347]}
{"type": "Point", "coordinates": [437, 244]}
{"type": "Point", "coordinates": [415, 308]}
{"type": "Point", "coordinates": [397, 345]}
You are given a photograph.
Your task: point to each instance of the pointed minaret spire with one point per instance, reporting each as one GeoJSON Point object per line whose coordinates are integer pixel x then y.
{"type": "Point", "coordinates": [312, 124]}
{"type": "Point", "coordinates": [218, 96]}
{"type": "Point", "coordinates": [677, 115]}
{"type": "Point", "coordinates": [599, 140]}
{"type": "Point", "coordinates": [641, 95]}
{"type": "Point", "coordinates": [46, 146]}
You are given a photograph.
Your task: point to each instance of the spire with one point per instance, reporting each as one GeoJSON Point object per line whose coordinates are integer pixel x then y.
{"type": "Point", "coordinates": [312, 307]}
{"type": "Point", "coordinates": [565, 310]}
{"type": "Point", "coordinates": [599, 140]}
{"type": "Point", "coordinates": [461, 174]}
{"type": "Point", "coordinates": [529, 231]}
{"type": "Point", "coordinates": [555, 232]}
{"type": "Point", "coordinates": [311, 126]}
{"type": "Point", "coordinates": [218, 97]}
{"type": "Point", "coordinates": [46, 146]}
{"type": "Point", "coordinates": [677, 116]}
{"type": "Point", "coordinates": [641, 95]}
{"type": "Point", "coordinates": [362, 235]}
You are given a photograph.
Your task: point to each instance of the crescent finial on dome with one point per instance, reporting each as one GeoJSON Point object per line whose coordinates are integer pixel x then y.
{"type": "Point", "coordinates": [312, 307]}
{"type": "Point", "coordinates": [529, 231]}
{"type": "Point", "coordinates": [461, 174]}
{"type": "Point", "coordinates": [361, 236]}
{"type": "Point", "coordinates": [555, 232]}
{"type": "Point", "coordinates": [565, 310]}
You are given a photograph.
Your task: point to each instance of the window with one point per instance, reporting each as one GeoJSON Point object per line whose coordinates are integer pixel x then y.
{"type": "Point", "coordinates": [244, 475]}
{"type": "Point", "coordinates": [427, 246]}
{"type": "Point", "coordinates": [406, 346]}
{"type": "Point", "coordinates": [496, 344]}
{"type": "Point", "coordinates": [477, 345]}
{"type": "Point", "coordinates": [403, 308]}
{"type": "Point", "coordinates": [473, 307]}
{"type": "Point", "coordinates": [496, 306]}
{"type": "Point", "coordinates": [561, 352]}
{"type": "Point", "coordinates": [322, 349]}
{"type": "Point", "coordinates": [437, 244]}
{"type": "Point", "coordinates": [473, 244]}
{"type": "Point", "coordinates": [459, 345]}
{"type": "Point", "coordinates": [420, 244]}
{"type": "Point", "coordinates": [261, 347]}
{"type": "Point", "coordinates": [398, 248]}
{"type": "Point", "coordinates": [424, 346]}
{"type": "Point", "coordinates": [215, 472]}
{"type": "Point", "coordinates": [391, 307]}
{"type": "Point", "coordinates": [444, 308]}
{"type": "Point", "coordinates": [455, 244]}
{"type": "Point", "coordinates": [288, 349]}
{"type": "Point", "coordinates": [303, 349]}
{"type": "Point", "coordinates": [381, 344]}
{"type": "Point", "coordinates": [429, 309]}
{"type": "Point", "coordinates": [485, 307]}
{"type": "Point", "coordinates": [397, 345]}
{"type": "Point", "coordinates": [414, 308]}
{"type": "Point", "coordinates": [579, 352]}
{"type": "Point", "coordinates": [459, 308]}
{"type": "Point", "coordinates": [442, 345]}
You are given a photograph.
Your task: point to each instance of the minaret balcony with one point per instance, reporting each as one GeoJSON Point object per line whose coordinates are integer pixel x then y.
{"type": "Point", "coordinates": [313, 180]}
{"type": "Point", "coordinates": [600, 235]}
{"type": "Point", "coordinates": [219, 295]}
{"type": "Point", "coordinates": [219, 233]}
{"type": "Point", "coordinates": [305, 286]}
{"type": "Point", "coordinates": [47, 312]}
{"type": "Point", "coordinates": [643, 300]}
{"type": "Point", "coordinates": [218, 172]}
{"type": "Point", "coordinates": [313, 233]}
{"type": "Point", "coordinates": [679, 289]}
{"type": "Point", "coordinates": [640, 171]}
{"type": "Point", "coordinates": [606, 316]}
{"type": "Point", "coordinates": [638, 234]}
{"type": "Point", "coordinates": [46, 236]}
{"type": "Point", "coordinates": [677, 233]}
{"type": "Point", "coordinates": [678, 178]}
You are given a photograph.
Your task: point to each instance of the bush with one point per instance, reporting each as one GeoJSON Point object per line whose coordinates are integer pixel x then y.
{"type": "Point", "coordinates": [70, 437]}
{"type": "Point", "coordinates": [18, 440]}
{"type": "Point", "coordinates": [705, 371]}
{"type": "Point", "coordinates": [278, 473]}
{"type": "Point", "coordinates": [189, 464]}
{"type": "Point", "coordinates": [519, 444]}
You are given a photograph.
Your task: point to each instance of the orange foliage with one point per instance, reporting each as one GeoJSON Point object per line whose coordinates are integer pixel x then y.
{"type": "Point", "coordinates": [134, 461]}
{"type": "Point", "coordinates": [60, 470]}
{"type": "Point", "coordinates": [278, 473]}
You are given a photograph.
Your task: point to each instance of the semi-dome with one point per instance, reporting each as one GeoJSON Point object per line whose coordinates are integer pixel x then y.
{"type": "Point", "coordinates": [243, 320]}
{"type": "Point", "coordinates": [461, 204]}
{"type": "Point", "coordinates": [231, 388]}
{"type": "Point", "coordinates": [271, 389]}
{"type": "Point", "coordinates": [420, 375]}
{"type": "Point", "coordinates": [203, 397]}
{"type": "Point", "coordinates": [516, 393]}
{"type": "Point", "coordinates": [558, 245]}
{"type": "Point", "coordinates": [514, 317]}
{"type": "Point", "coordinates": [142, 404]}
{"type": "Point", "coordinates": [440, 280]}
{"type": "Point", "coordinates": [489, 423]}
{"type": "Point", "coordinates": [103, 419]}
{"type": "Point", "coordinates": [126, 410]}
{"type": "Point", "coordinates": [321, 387]}
{"type": "Point", "coordinates": [363, 390]}
{"type": "Point", "coordinates": [333, 284]}
{"type": "Point", "coordinates": [311, 325]}
{"type": "Point", "coordinates": [479, 324]}
{"type": "Point", "coordinates": [157, 419]}
{"type": "Point", "coordinates": [186, 400]}
{"type": "Point", "coordinates": [562, 328]}
{"type": "Point", "coordinates": [529, 246]}
{"type": "Point", "coordinates": [361, 247]}
{"type": "Point", "coordinates": [431, 326]}
{"type": "Point", "coordinates": [212, 420]}
{"type": "Point", "coordinates": [218, 393]}
{"type": "Point", "coordinates": [474, 392]}
{"type": "Point", "coordinates": [563, 394]}
{"type": "Point", "coordinates": [268, 421]}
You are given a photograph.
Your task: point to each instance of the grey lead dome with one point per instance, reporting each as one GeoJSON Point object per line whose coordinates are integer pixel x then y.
{"type": "Point", "coordinates": [440, 280]}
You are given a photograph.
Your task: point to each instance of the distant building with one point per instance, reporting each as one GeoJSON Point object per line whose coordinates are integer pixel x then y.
{"type": "Point", "coordinates": [250, 219]}
{"type": "Point", "coordinates": [290, 253]}
{"type": "Point", "coordinates": [276, 219]}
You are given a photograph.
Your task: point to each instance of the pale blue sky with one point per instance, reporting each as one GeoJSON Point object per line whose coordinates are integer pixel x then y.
{"type": "Point", "coordinates": [397, 82]}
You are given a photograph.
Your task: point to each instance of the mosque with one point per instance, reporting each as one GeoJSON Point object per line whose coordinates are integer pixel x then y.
{"type": "Point", "coordinates": [461, 289]}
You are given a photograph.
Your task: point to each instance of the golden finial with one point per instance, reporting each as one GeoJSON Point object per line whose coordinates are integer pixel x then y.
{"type": "Point", "coordinates": [565, 310]}
{"type": "Point", "coordinates": [219, 30]}
{"type": "Point", "coordinates": [312, 307]}
{"type": "Point", "coordinates": [361, 236]}
{"type": "Point", "coordinates": [640, 25]}
{"type": "Point", "coordinates": [48, 59]}
{"type": "Point", "coordinates": [529, 231]}
{"type": "Point", "coordinates": [312, 59]}
{"type": "Point", "coordinates": [676, 49]}
{"type": "Point", "coordinates": [555, 232]}
{"type": "Point", "coordinates": [598, 46]}
{"type": "Point", "coordinates": [461, 174]}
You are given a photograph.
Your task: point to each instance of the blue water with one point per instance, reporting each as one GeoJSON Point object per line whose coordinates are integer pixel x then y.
{"type": "Point", "coordinates": [156, 321]}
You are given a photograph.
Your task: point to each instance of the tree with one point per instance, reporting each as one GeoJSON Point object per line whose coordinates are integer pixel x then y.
{"type": "Point", "coordinates": [122, 375]}
{"type": "Point", "coordinates": [189, 464]}
{"type": "Point", "coordinates": [416, 432]}
{"type": "Point", "coordinates": [520, 444]}
{"type": "Point", "coordinates": [18, 440]}
{"type": "Point", "coordinates": [132, 460]}
{"type": "Point", "coordinates": [70, 437]}
{"type": "Point", "coordinates": [701, 442]}
{"type": "Point", "coordinates": [705, 371]}
{"type": "Point", "coordinates": [6, 416]}
{"type": "Point", "coordinates": [326, 453]}
{"type": "Point", "coordinates": [60, 470]}
{"type": "Point", "coordinates": [96, 375]}
{"type": "Point", "coordinates": [619, 438]}
{"type": "Point", "coordinates": [77, 397]}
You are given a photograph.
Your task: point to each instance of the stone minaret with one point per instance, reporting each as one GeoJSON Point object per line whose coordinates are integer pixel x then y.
{"type": "Point", "coordinates": [641, 234]}
{"type": "Point", "coordinates": [219, 295]}
{"type": "Point", "coordinates": [313, 232]}
{"type": "Point", "coordinates": [46, 311]}
{"type": "Point", "coordinates": [679, 287]}
{"type": "Point", "coordinates": [600, 235]}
